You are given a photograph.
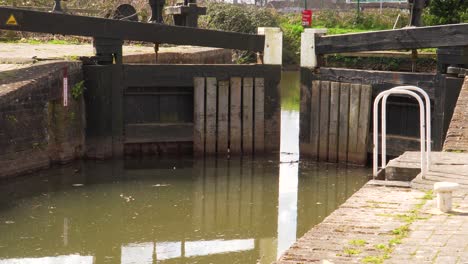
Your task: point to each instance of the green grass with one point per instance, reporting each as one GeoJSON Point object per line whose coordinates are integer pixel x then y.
{"type": "Point", "coordinates": [399, 233]}
{"type": "Point", "coordinates": [62, 42]}
{"type": "Point", "coordinates": [352, 251]}
{"type": "Point", "coordinates": [39, 41]}
{"type": "Point", "coordinates": [372, 259]}
{"type": "Point", "coordinates": [358, 242]}
{"type": "Point", "coordinates": [429, 195]}
{"type": "Point", "coordinates": [339, 31]}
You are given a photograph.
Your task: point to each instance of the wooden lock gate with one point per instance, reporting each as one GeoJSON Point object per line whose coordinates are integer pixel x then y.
{"type": "Point", "coordinates": [333, 131]}
{"type": "Point", "coordinates": [155, 109]}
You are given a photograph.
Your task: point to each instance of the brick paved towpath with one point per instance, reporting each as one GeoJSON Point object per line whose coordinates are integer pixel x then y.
{"type": "Point", "coordinates": [392, 225]}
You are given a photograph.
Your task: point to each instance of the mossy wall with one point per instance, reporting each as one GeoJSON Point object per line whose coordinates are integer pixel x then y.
{"type": "Point", "coordinates": [36, 130]}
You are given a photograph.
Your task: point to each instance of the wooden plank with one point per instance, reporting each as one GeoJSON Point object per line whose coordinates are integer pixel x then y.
{"type": "Point", "coordinates": [343, 123]}
{"type": "Point", "coordinates": [427, 81]}
{"type": "Point", "coordinates": [334, 122]}
{"type": "Point", "coordinates": [272, 108]}
{"type": "Point", "coordinates": [259, 118]}
{"type": "Point", "coordinates": [247, 115]}
{"type": "Point", "coordinates": [180, 75]}
{"type": "Point", "coordinates": [407, 38]}
{"type": "Point", "coordinates": [117, 111]}
{"type": "Point", "coordinates": [141, 109]}
{"type": "Point", "coordinates": [396, 145]}
{"type": "Point", "coordinates": [99, 124]}
{"type": "Point", "coordinates": [66, 24]}
{"type": "Point", "coordinates": [199, 116]}
{"type": "Point", "coordinates": [159, 132]}
{"type": "Point", "coordinates": [210, 132]}
{"type": "Point", "coordinates": [235, 125]}
{"type": "Point", "coordinates": [223, 117]}
{"type": "Point", "coordinates": [305, 110]}
{"type": "Point", "coordinates": [324, 120]}
{"type": "Point", "coordinates": [363, 124]}
{"type": "Point", "coordinates": [353, 122]}
{"type": "Point", "coordinates": [315, 120]}
{"type": "Point", "coordinates": [168, 109]}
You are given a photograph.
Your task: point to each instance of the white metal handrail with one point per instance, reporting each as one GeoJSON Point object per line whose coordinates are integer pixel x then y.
{"type": "Point", "coordinates": [428, 120]}
{"type": "Point", "coordinates": [425, 118]}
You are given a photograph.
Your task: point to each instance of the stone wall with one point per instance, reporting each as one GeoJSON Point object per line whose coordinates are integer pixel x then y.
{"type": "Point", "coordinates": [457, 134]}
{"type": "Point", "coordinates": [36, 130]}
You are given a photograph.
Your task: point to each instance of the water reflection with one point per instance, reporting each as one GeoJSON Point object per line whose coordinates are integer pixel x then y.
{"type": "Point", "coordinates": [216, 211]}
{"type": "Point", "coordinates": [288, 181]}
{"type": "Point", "coordinates": [171, 211]}
{"type": "Point", "coordinates": [70, 259]}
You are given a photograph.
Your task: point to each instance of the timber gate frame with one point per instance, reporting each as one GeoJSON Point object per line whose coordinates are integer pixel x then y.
{"type": "Point", "coordinates": [335, 102]}
{"type": "Point", "coordinates": [152, 109]}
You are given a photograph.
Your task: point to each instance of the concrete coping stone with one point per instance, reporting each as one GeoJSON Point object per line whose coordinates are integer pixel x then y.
{"type": "Point", "coordinates": [446, 186]}
{"type": "Point", "coordinates": [399, 184]}
{"type": "Point", "coordinates": [316, 30]}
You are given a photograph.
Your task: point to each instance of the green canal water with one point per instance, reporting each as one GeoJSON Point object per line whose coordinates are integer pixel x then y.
{"type": "Point", "coordinates": [173, 210]}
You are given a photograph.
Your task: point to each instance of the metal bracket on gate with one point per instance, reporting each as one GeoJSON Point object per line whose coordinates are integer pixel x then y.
{"type": "Point", "coordinates": [460, 72]}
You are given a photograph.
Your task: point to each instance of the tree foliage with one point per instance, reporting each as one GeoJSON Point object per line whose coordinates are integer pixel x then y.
{"type": "Point", "coordinates": [238, 18]}
{"type": "Point", "coordinates": [442, 12]}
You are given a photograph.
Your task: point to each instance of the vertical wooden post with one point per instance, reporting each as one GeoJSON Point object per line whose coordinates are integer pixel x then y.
{"type": "Point", "coordinates": [343, 123]}
{"type": "Point", "coordinates": [223, 117]}
{"type": "Point", "coordinates": [259, 117]}
{"type": "Point", "coordinates": [305, 112]}
{"type": "Point", "coordinates": [353, 122]}
{"type": "Point", "coordinates": [272, 54]}
{"type": "Point", "coordinates": [117, 110]}
{"type": "Point", "coordinates": [363, 124]}
{"type": "Point", "coordinates": [210, 138]}
{"type": "Point", "coordinates": [315, 120]}
{"type": "Point", "coordinates": [324, 119]}
{"type": "Point", "coordinates": [272, 115]}
{"type": "Point", "coordinates": [199, 116]}
{"type": "Point", "coordinates": [334, 122]}
{"type": "Point", "coordinates": [247, 115]}
{"type": "Point", "coordinates": [235, 127]}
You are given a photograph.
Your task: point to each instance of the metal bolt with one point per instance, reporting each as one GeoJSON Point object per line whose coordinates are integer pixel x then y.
{"type": "Point", "coordinates": [57, 7]}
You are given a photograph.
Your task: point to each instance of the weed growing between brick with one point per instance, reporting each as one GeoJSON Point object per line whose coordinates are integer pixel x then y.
{"type": "Point", "coordinates": [399, 233]}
